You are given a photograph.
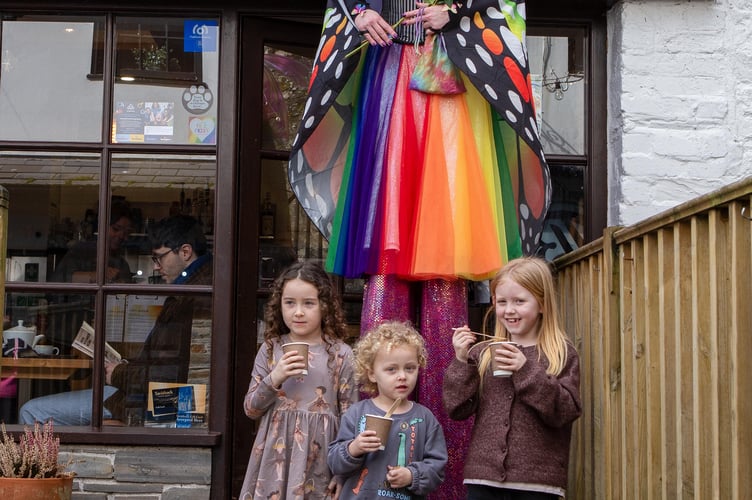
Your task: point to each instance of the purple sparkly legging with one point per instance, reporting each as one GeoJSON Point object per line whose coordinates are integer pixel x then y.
{"type": "Point", "coordinates": [443, 305]}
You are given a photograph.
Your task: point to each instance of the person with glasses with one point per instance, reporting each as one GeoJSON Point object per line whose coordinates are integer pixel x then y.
{"type": "Point", "coordinates": [181, 256]}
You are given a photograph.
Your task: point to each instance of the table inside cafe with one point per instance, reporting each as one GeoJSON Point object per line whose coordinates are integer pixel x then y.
{"type": "Point", "coordinates": [39, 368]}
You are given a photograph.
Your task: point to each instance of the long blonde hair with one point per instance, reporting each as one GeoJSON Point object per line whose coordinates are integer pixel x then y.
{"type": "Point", "coordinates": [533, 274]}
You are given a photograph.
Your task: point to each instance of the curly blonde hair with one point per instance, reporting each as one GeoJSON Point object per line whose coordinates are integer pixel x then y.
{"type": "Point", "coordinates": [385, 336]}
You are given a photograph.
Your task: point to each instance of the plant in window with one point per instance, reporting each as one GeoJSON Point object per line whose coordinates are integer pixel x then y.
{"type": "Point", "coordinates": [155, 58]}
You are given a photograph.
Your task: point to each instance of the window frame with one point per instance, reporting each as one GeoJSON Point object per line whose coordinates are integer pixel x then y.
{"type": "Point", "coordinates": [97, 432]}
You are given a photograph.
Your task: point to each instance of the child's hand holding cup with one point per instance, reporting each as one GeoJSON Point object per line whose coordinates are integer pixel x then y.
{"type": "Point", "coordinates": [496, 347]}
{"type": "Point", "coordinates": [381, 425]}
{"type": "Point", "coordinates": [301, 348]}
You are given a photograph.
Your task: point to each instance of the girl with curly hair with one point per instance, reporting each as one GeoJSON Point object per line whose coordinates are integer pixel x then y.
{"type": "Point", "coordinates": [289, 454]}
{"type": "Point", "coordinates": [411, 463]}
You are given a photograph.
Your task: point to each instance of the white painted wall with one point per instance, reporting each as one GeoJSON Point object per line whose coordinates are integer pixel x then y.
{"type": "Point", "coordinates": [680, 102]}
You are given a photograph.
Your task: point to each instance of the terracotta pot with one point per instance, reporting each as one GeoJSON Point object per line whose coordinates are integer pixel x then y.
{"type": "Point", "coordinates": [54, 488]}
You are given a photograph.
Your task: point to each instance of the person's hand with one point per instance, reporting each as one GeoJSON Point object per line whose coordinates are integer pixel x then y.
{"type": "Point", "coordinates": [462, 339]}
{"type": "Point", "coordinates": [374, 28]}
{"type": "Point", "coordinates": [290, 364]}
{"type": "Point", "coordinates": [509, 357]}
{"type": "Point", "coordinates": [433, 17]}
{"type": "Point", "coordinates": [109, 367]}
{"type": "Point", "coordinates": [365, 442]}
{"type": "Point", "coordinates": [398, 477]}
{"type": "Point", "coordinates": [334, 489]}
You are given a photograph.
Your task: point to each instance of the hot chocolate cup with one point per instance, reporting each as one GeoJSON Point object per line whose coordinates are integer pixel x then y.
{"type": "Point", "coordinates": [381, 425]}
{"type": "Point", "coordinates": [301, 348]}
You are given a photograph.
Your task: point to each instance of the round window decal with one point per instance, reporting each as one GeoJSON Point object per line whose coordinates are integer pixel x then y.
{"type": "Point", "coordinates": [197, 99]}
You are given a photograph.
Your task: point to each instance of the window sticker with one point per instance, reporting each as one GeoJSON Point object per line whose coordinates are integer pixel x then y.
{"type": "Point", "coordinates": [197, 99]}
{"type": "Point", "coordinates": [202, 130]}
{"type": "Point", "coordinates": [200, 35]}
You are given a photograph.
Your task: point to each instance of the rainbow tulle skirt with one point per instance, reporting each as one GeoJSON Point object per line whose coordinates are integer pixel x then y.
{"type": "Point", "coordinates": [426, 190]}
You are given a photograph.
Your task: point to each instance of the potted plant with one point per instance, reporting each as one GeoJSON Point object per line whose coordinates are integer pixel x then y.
{"type": "Point", "coordinates": [29, 468]}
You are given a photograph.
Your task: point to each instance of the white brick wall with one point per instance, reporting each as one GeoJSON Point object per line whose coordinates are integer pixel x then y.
{"type": "Point", "coordinates": [680, 102]}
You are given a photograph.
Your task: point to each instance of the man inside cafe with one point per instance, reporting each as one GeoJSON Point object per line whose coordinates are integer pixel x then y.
{"type": "Point", "coordinates": [180, 254]}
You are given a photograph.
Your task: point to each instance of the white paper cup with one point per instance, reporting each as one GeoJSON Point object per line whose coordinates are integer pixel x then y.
{"type": "Point", "coordinates": [301, 348]}
{"type": "Point", "coordinates": [381, 425]}
{"type": "Point", "coordinates": [498, 371]}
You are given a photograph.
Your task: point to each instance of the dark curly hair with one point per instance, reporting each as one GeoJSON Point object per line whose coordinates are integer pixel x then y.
{"type": "Point", "coordinates": [333, 326]}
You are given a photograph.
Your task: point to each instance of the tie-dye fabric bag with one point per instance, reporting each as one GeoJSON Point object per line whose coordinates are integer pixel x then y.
{"type": "Point", "coordinates": [434, 72]}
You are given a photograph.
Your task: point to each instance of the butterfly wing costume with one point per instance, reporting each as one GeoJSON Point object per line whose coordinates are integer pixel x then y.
{"type": "Point", "coordinates": [418, 185]}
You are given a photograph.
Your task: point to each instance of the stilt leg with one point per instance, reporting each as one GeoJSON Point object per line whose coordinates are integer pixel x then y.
{"type": "Point", "coordinates": [443, 307]}
{"type": "Point", "coordinates": [385, 298]}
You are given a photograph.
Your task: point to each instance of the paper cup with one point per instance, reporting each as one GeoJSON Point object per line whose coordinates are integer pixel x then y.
{"type": "Point", "coordinates": [301, 348]}
{"type": "Point", "coordinates": [381, 425]}
{"type": "Point", "coordinates": [498, 371]}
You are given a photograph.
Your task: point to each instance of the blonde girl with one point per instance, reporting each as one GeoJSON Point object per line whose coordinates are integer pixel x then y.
{"type": "Point", "coordinates": [519, 449]}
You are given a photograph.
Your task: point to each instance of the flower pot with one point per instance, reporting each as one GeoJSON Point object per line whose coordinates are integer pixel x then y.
{"type": "Point", "coordinates": [54, 488]}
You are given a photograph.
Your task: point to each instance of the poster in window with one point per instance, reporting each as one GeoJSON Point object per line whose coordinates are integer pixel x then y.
{"type": "Point", "coordinates": [146, 121]}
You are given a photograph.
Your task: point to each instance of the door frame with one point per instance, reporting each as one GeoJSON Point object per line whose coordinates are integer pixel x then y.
{"type": "Point", "coordinates": [255, 33]}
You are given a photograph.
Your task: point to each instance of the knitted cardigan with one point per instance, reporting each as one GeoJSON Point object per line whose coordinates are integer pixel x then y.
{"type": "Point", "coordinates": [523, 423]}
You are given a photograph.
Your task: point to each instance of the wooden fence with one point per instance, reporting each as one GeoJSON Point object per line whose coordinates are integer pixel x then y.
{"type": "Point", "coordinates": [660, 314]}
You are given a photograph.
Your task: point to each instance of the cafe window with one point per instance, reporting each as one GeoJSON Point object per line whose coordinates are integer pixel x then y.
{"type": "Point", "coordinates": [86, 283]}
{"type": "Point", "coordinates": [165, 81]}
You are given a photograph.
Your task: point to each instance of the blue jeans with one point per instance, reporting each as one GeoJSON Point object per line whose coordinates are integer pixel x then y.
{"type": "Point", "coordinates": [65, 408]}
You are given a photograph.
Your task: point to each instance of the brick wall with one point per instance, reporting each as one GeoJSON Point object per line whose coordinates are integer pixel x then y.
{"type": "Point", "coordinates": [136, 473]}
{"type": "Point", "coordinates": [680, 102]}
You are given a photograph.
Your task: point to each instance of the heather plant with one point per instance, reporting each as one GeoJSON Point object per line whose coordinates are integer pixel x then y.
{"type": "Point", "coordinates": [35, 455]}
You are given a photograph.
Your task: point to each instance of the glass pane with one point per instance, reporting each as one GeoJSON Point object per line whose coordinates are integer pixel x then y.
{"type": "Point", "coordinates": [53, 200]}
{"type": "Point", "coordinates": [167, 342]}
{"type": "Point", "coordinates": [157, 186]}
{"type": "Point", "coordinates": [46, 93]}
{"type": "Point", "coordinates": [563, 230]}
{"type": "Point", "coordinates": [166, 72]}
{"type": "Point", "coordinates": [286, 75]}
{"type": "Point", "coordinates": [38, 332]}
{"type": "Point", "coordinates": [558, 78]}
{"type": "Point", "coordinates": [286, 232]}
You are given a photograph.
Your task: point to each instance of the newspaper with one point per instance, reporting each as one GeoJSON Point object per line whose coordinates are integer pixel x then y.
{"type": "Point", "coordinates": [84, 342]}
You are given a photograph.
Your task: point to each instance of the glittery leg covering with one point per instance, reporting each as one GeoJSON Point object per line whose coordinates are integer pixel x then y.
{"type": "Point", "coordinates": [385, 298]}
{"type": "Point", "coordinates": [444, 306]}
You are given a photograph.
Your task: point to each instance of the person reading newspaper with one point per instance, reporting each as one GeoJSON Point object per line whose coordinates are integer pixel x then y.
{"type": "Point", "coordinates": [84, 342]}
{"type": "Point", "coordinates": [181, 256]}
